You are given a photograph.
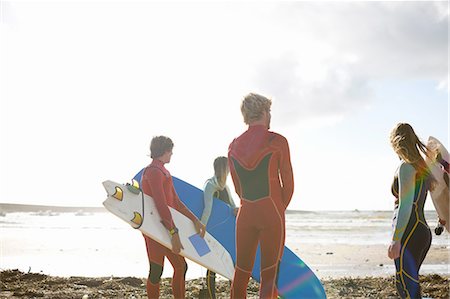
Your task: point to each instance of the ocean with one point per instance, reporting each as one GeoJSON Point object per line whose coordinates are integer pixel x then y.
{"type": "Point", "coordinates": [348, 227]}
{"type": "Point", "coordinates": [95, 243]}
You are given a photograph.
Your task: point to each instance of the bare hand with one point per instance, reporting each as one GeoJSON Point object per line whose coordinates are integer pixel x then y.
{"type": "Point", "coordinates": [200, 228]}
{"type": "Point", "coordinates": [394, 250]}
{"type": "Point", "coordinates": [176, 244]}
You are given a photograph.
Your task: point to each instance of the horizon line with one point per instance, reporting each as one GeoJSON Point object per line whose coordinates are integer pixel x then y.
{"type": "Point", "coordinates": [42, 206]}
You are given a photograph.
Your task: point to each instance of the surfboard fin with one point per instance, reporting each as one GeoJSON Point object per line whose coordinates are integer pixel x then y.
{"type": "Point", "coordinates": [133, 189]}
{"type": "Point", "coordinates": [137, 219]}
{"type": "Point", "coordinates": [118, 194]}
{"type": "Point", "coordinates": [135, 184]}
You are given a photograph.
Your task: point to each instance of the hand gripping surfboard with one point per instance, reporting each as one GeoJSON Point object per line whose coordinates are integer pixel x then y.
{"type": "Point", "coordinates": [139, 210]}
{"type": "Point", "coordinates": [295, 278]}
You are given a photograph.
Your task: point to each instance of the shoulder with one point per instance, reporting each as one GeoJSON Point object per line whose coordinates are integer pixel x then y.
{"type": "Point", "coordinates": [156, 171]}
{"type": "Point", "coordinates": [277, 138]}
{"type": "Point", "coordinates": [208, 183]}
{"type": "Point", "coordinates": [231, 143]}
{"type": "Point", "coordinates": [238, 139]}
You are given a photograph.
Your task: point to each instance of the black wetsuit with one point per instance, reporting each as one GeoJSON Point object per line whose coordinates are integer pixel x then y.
{"type": "Point", "coordinates": [415, 242]}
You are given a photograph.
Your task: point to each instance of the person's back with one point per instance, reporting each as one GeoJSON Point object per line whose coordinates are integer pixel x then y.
{"type": "Point", "coordinates": [217, 192]}
{"type": "Point", "coordinates": [256, 156]}
{"type": "Point", "coordinates": [261, 169]}
{"type": "Point", "coordinates": [422, 186]}
{"type": "Point", "coordinates": [411, 236]}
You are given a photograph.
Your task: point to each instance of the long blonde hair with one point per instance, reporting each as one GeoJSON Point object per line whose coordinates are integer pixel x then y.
{"type": "Point", "coordinates": [408, 146]}
{"type": "Point", "coordinates": [221, 170]}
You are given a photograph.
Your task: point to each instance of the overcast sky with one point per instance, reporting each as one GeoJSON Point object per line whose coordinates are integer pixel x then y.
{"type": "Point", "coordinates": [86, 85]}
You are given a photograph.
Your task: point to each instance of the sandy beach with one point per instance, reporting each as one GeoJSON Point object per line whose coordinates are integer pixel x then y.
{"type": "Point", "coordinates": [342, 260]}
{"type": "Point", "coordinates": [366, 273]}
{"type": "Point", "coordinates": [16, 284]}
{"type": "Point", "coordinates": [47, 255]}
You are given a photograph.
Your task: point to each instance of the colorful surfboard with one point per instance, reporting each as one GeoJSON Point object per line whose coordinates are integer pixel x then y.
{"type": "Point", "coordinates": [295, 280]}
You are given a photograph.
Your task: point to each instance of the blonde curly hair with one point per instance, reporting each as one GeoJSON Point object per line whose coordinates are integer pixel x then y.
{"type": "Point", "coordinates": [253, 105]}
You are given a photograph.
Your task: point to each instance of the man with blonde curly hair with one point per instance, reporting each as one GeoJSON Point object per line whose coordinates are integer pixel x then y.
{"type": "Point", "coordinates": [261, 170]}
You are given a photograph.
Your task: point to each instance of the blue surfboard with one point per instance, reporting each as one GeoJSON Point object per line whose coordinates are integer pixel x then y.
{"type": "Point", "coordinates": [295, 278]}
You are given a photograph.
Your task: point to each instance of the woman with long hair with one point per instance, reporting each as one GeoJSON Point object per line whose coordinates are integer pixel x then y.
{"type": "Point", "coordinates": [411, 238]}
{"type": "Point", "coordinates": [216, 186]}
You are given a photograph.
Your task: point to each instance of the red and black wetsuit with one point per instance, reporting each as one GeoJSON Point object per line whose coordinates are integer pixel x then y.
{"type": "Point", "coordinates": [261, 169]}
{"type": "Point", "coordinates": [157, 183]}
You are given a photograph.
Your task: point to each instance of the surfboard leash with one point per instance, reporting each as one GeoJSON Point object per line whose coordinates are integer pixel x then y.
{"type": "Point", "coordinates": [142, 197]}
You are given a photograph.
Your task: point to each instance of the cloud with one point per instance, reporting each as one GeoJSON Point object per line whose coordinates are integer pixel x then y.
{"type": "Point", "coordinates": [340, 90]}
{"type": "Point", "coordinates": [337, 50]}
{"type": "Point", "coordinates": [7, 15]}
{"type": "Point", "coordinates": [443, 85]}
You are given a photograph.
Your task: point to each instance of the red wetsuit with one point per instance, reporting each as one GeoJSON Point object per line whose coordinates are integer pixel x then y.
{"type": "Point", "coordinates": [157, 183]}
{"type": "Point", "coordinates": [261, 169]}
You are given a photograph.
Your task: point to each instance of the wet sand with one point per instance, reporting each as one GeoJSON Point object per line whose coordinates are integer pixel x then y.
{"type": "Point", "coordinates": [17, 284]}
{"type": "Point", "coordinates": [344, 260]}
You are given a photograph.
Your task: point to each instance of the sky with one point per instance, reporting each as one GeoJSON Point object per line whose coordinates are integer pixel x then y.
{"type": "Point", "coordinates": [84, 86]}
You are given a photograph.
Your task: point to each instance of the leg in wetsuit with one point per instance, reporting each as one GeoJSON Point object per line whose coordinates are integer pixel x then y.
{"type": "Point", "coordinates": [211, 284]}
{"type": "Point", "coordinates": [267, 230]}
{"type": "Point", "coordinates": [262, 174]}
{"type": "Point", "coordinates": [412, 254]}
{"type": "Point", "coordinates": [156, 253]}
{"type": "Point", "coordinates": [415, 244]}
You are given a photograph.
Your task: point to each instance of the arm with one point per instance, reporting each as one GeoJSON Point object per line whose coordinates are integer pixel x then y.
{"type": "Point", "coordinates": [237, 186]}
{"type": "Point", "coordinates": [208, 200]}
{"type": "Point", "coordinates": [407, 181]}
{"type": "Point", "coordinates": [181, 207]}
{"type": "Point", "coordinates": [199, 227]}
{"type": "Point", "coordinates": [233, 205]}
{"type": "Point", "coordinates": [286, 174]}
{"type": "Point", "coordinates": [153, 180]}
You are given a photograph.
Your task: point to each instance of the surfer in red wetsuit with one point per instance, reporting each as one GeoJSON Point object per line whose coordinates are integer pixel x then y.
{"type": "Point", "coordinates": [261, 170]}
{"type": "Point", "coordinates": [157, 183]}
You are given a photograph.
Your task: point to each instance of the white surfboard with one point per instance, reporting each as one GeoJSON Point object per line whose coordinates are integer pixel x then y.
{"type": "Point", "coordinates": [127, 203]}
{"type": "Point", "coordinates": [440, 195]}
